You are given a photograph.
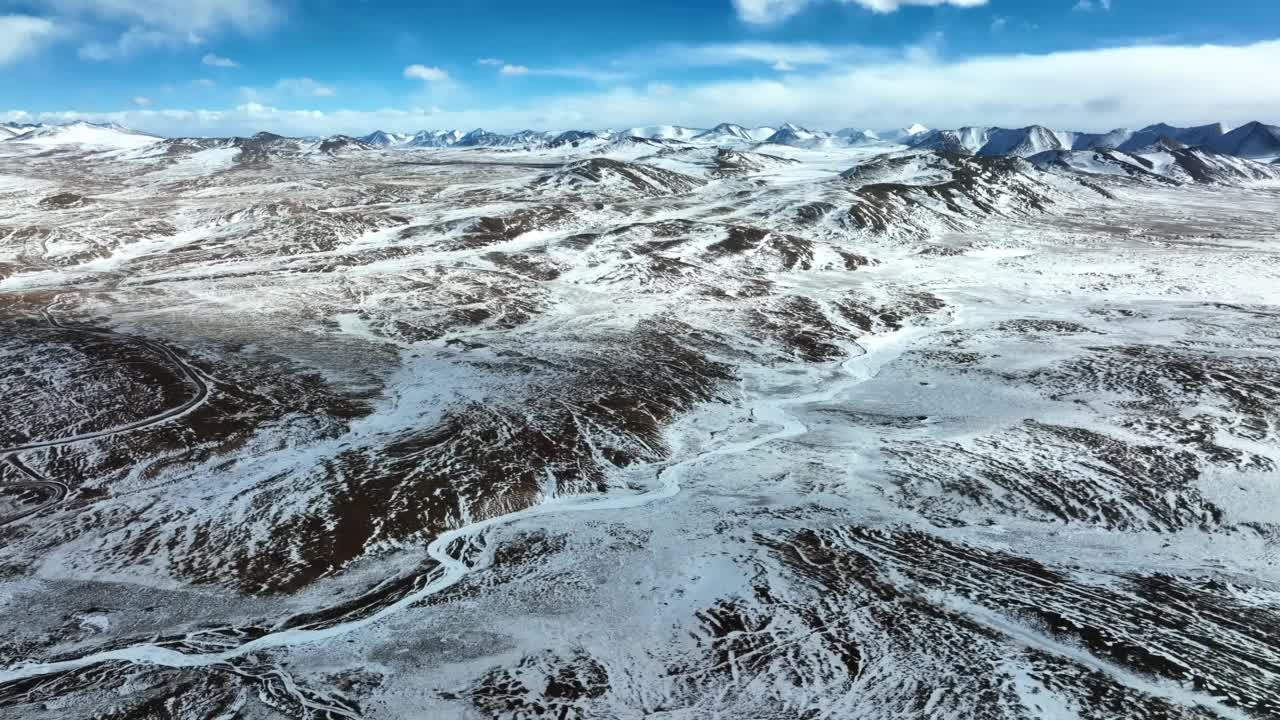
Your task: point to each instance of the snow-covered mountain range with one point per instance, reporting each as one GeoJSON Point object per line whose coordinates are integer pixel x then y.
{"type": "Point", "coordinates": [10, 129]}
{"type": "Point", "coordinates": [1254, 140]}
{"type": "Point", "coordinates": [668, 423]}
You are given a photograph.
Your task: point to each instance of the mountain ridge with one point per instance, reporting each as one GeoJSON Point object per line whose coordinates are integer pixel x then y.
{"type": "Point", "coordinates": [1254, 140]}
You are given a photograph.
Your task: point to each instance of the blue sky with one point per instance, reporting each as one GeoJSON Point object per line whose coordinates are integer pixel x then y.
{"type": "Point", "coordinates": [317, 66]}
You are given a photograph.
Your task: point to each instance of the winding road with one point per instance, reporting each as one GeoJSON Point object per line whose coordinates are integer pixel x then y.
{"type": "Point", "coordinates": [10, 455]}
{"type": "Point", "coordinates": [770, 411]}
{"type": "Point", "coordinates": [35, 481]}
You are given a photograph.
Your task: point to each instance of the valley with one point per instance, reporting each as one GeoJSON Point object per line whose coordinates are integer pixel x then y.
{"type": "Point", "coordinates": [673, 423]}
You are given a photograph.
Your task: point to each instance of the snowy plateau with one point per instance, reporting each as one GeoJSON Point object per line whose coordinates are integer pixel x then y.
{"type": "Point", "coordinates": [666, 422]}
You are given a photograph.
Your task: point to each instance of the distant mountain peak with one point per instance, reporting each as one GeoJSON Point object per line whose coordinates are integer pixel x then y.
{"type": "Point", "coordinates": [1250, 140]}
{"type": "Point", "coordinates": [380, 138]}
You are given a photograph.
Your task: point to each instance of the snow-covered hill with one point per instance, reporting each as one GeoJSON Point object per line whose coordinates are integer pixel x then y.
{"type": "Point", "coordinates": [731, 133]}
{"type": "Point", "coordinates": [378, 138]}
{"type": "Point", "coordinates": [903, 135]}
{"type": "Point", "coordinates": [435, 138]}
{"type": "Point", "coordinates": [85, 134]}
{"type": "Point", "coordinates": [966, 140]}
{"type": "Point", "coordinates": [1148, 137]}
{"type": "Point", "coordinates": [1253, 140]}
{"type": "Point", "coordinates": [854, 136]}
{"type": "Point", "coordinates": [1026, 142]}
{"type": "Point", "coordinates": [913, 167]}
{"type": "Point", "coordinates": [17, 128]}
{"type": "Point", "coordinates": [664, 132]}
{"type": "Point", "coordinates": [740, 162]}
{"type": "Point", "coordinates": [992, 141]}
{"type": "Point", "coordinates": [799, 137]}
{"type": "Point", "coordinates": [484, 138]}
{"type": "Point", "coordinates": [619, 179]}
{"type": "Point", "coordinates": [586, 138]}
{"type": "Point", "coordinates": [1171, 163]}
{"type": "Point", "coordinates": [339, 144]}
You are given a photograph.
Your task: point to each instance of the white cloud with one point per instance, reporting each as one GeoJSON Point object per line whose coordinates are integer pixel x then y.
{"type": "Point", "coordinates": [426, 74]}
{"type": "Point", "coordinates": [724, 54]}
{"type": "Point", "coordinates": [999, 23]}
{"type": "Point", "coordinates": [22, 35]}
{"type": "Point", "coordinates": [573, 73]}
{"type": "Point", "coordinates": [764, 12]}
{"type": "Point", "coordinates": [16, 116]}
{"type": "Point", "coordinates": [218, 61]}
{"type": "Point", "coordinates": [888, 6]}
{"type": "Point", "coordinates": [1091, 5]}
{"type": "Point", "coordinates": [141, 101]}
{"type": "Point", "coordinates": [300, 87]}
{"type": "Point", "coordinates": [490, 61]}
{"type": "Point", "coordinates": [132, 41]}
{"type": "Point", "coordinates": [784, 66]}
{"type": "Point", "coordinates": [304, 87]}
{"type": "Point", "coordinates": [188, 16]}
{"type": "Point", "coordinates": [1080, 90]}
{"type": "Point", "coordinates": [151, 24]}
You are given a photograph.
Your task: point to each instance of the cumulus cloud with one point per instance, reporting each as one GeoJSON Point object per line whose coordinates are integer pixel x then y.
{"type": "Point", "coordinates": [141, 101]}
{"type": "Point", "coordinates": [426, 74]}
{"type": "Point", "coordinates": [764, 12]}
{"type": "Point", "coordinates": [22, 35]}
{"type": "Point", "coordinates": [490, 61]}
{"type": "Point", "coordinates": [1081, 90]}
{"type": "Point", "coordinates": [513, 70]}
{"type": "Point", "coordinates": [218, 61]}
